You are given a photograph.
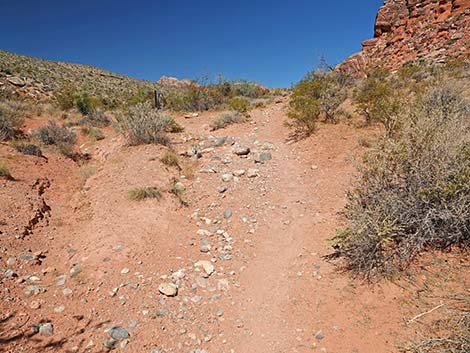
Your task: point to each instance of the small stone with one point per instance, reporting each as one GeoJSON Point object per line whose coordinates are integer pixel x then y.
{"type": "Point", "coordinates": [221, 189]}
{"type": "Point", "coordinates": [162, 312]}
{"type": "Point", "coordinates": [205, 248]}
{"type": "Point", "coordinates": [168, 289]}
{"type": "Point", "coordinates": [46, 329]}
{"type": "Point", "coordinates": [240, 150]}
{"type": "Point", "coordinates": [228, 213]}
{"type": "Point", "coordinates": [179, 187]}
{"type": "Point", "coordinates": [59, 309]}
{"type": "Point", "coordinates": [319, 335]}
{"type": "Point", "coordinates": [223, 285]}
{"type": "Point", "coordinates": [224, 257]}
{"type": "Point", "coordinates": [110, 343]}
{"type": "Point", "coordinates": [263, 157]}
{"type": "Point", "coordinates": [227, 177]}
{"type": "Point", "coordinates": [118, 333]}
{"type": "Point", "coordinates": [11, 261]}
{"type": "Point", "coordinates": [207, 266]}
{"type": "Point", "coordinates": [75, 271]}
{"type": "Point", "coordinates": [125, 271]}
{"type": "Point", "coordinates": [67, 292]}
{"type": "Point", "coordinates": [219, 312]}
{"type": "Point", "coordinates": [252, 173]}
{"type": "Point", "coordinates": [60, 281]}
{"type": "Point", "coordinates": [239, 172]}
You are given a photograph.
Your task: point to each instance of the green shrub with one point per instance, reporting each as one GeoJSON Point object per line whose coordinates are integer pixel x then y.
{"type": "Point", "coordinates": [145, 125]}
{"type": "Point", "coordinates": [84, 102]}
{"type": "Point", "coordinates": [96, 118]}
{"type": "Point", "coordinates": [239, 104]}
{"type": "Point", "coordinates": [317, 96]}
{"type": "Point", "coordinates": [414, 189]}
{"type": "Point", "coordinates": [381, 99]}
{"type": "Point", "coordinates": [65, 97]}
{"type": "Point", "coordinates": [139, 194]}
{"type": "Point", "coordinates": [10, 119]}
{"type": "Point", "coordinates": [226, 119]}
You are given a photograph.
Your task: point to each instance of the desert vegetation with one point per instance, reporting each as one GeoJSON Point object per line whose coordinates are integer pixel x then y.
{"type": "Point", "coordinates": [317, 97]}
{"type": "Point", "coordinates": [144, 125]}
{"type": "Point", "coordinates": [139, 194]}
{"type": "Point", "coordinates": [225, 119]}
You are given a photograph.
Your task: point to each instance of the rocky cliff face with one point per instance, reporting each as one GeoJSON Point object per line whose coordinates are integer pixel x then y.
{"type": "Point", "coordinates": [410, 29]}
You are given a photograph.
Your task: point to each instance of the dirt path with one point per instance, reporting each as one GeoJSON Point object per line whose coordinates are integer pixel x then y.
{"type": "Point", "coordinates": [100, 260]}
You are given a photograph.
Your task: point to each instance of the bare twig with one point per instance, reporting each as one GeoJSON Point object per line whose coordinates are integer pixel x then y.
{"type": "Point", "coordinates": [425, 313]}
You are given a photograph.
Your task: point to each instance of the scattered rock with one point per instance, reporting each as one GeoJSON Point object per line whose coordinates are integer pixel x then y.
{"type": "Point", "coordinates": [263, 157]}
{"type": "Point", "coordinates": [221, 189]}
{"type": "Point", "coordinates": [252, 173]}
{"type": "Point", "coordinates": [16, 81]}
{"type": "Point", "coordinates": [207, 266]}
{"type": "Point", "coordinates": [240, 150]}
{"type": "Point", "coordinates": [228, 213]}
{"type": "Point", "coordinates": [46, 329]}
{"type": "Point", "coordinates": [239, 172]}
{"type": "Point", "coordinates": [118, 333]}
{"type": "Point", "coordinates": [168, 289]}
{"type": "Point", "coordinates": [227, 177]}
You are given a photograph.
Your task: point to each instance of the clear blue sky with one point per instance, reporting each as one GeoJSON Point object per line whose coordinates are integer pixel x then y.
{"type": "Point", "coordinates": [272, 42]}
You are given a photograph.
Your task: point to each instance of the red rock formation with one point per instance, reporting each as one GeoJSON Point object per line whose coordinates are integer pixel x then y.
{"type": "Point", "coordinates": [413, 29]}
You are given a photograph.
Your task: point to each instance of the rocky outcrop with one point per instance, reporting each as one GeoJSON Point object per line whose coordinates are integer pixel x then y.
{"type": "Point", "coordinates": [405, 30]}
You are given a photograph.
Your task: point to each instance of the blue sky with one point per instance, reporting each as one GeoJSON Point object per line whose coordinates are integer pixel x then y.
{"type": "Point", "coordinates": [272, 42]}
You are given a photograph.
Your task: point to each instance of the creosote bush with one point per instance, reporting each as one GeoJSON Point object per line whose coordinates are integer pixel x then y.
{"type": "Point", "coordinates": [145, 125]}
{"type": "Point", "coordinates": [414, 189]}
{"type": "Point", "coordinates": [240, 105]}
{"type": "Point", "coordinates": [316, 97]}
{"type": "Point", "coordinates": [139, 194]}
{"type": "Point", "coordinates": [226, 119]}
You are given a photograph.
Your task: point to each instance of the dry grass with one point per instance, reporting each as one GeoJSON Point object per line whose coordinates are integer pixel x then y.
{"type": "Point", "coordinates": [171, 159]}
{"type": "Point", "coordinates": [5, 171]}
{"type": "Point", "coordinates": [226, 119]}
{"type": "Point", "coordinates": [139, 194]}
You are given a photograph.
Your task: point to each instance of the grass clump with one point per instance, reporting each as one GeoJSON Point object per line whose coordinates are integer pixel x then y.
{"type": "Point", "coordinates": [27, 148]}
{"type": "Point", "coordinates": [93, 133]}
{"type": "Point", "coordinates": [414, 189]}
{"type": "Point", "coordinates": [317, 96]}
{"type": "Point", "coordinates": [139, 194]}
{"type": "Point", "coordinates": [144, 125]}
{"type": "Point", "coordinates": [171, 159]}
{"type": "Point", "coordinates": [178, 189]}
{"type": "Point", "coordinates": [5, 171]}
{"type": "Point", "coordinates": [223, 120]}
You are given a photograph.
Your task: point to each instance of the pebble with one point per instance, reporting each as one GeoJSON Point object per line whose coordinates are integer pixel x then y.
{"type": "Point", "coordinates": [67, 292]}
{"type": "Point", "coordinates": [168, 289]}
{"type": "Point", "coordinates": [59, 309]}
{"type": "Point", "coordinates": [263, 157]}
{"type": "Point", "coordinates": [252, 173]}
{"type": "Point", "coordinates": [227, 177]}
{"type": "Point", "coordinates": [228, 213]}
{"type": "Point", "coordinates": [224, 257]}
{"type": "Point", "coordinates": [221, 189]}
{"type": "Point", "coordinates": [118, 333]}
{"type": "Point", "coordinates": [205, 248]}
{"type": "Point", "coordinates": [240, 150]}
{"type": "Point", "coordinates": [239, 172]}
{"type": "Point", "coordinates": [11, 261]}
{"type": "Point", "coordinates": [75, 271]}
{"type": "Point", "coordinates": [207, 266]}
{"type": "Point", "coordinates": [46, 329]}
{"type": "Point", "coordinates": [125, 271]}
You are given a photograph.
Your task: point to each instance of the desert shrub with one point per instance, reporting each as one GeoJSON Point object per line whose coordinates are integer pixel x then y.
{"type": "Point", "coordinates": [178, 189]}
{"type": "Point", "coordinates": [53, 134]}
{"type": "Point", "coordinates": [65, 97]}
{"type": "Point", "coordinates": [144, 125]}
{"type": "Point", "coordinates": [96, 118]}
{"type": "Point", "coordinates": [11, 118]}
{"type": "Point", "coordinates": [226, 119]}
{"type": "Point", "coordinates": [139, 194]}
{"type": "Point", "coordinates": [5, 171]}
{"type": "Point", "coordinates": [317, 96]}
{"type": "Point", "coordinates": [85, 103]}
{"type": "Point", "coordinates": [248, 89]}
{"type": "Point", "coordinates": [381, 99]}
{"type": "Point", "coordinates": [414, 189]}
{"type": "Point", "coordinates": [170, 158]}
{"type": "Point", "coordinates": [27, 148]}
{"type": "Point", "coordinates": [92, 132]}
{"type": "Point", "coordinates": [239, 104]}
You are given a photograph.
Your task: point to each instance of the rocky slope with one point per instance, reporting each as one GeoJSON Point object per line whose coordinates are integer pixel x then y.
{"type": "Point", "coordinates": [404, 30]}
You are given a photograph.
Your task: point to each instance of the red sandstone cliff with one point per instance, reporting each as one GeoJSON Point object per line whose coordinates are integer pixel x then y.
{"type": "Point", "coordinates": [410, 29]}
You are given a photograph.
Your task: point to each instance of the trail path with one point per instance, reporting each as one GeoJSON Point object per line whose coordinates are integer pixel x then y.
{"type": "Point", "coordinates": [270, 289]}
